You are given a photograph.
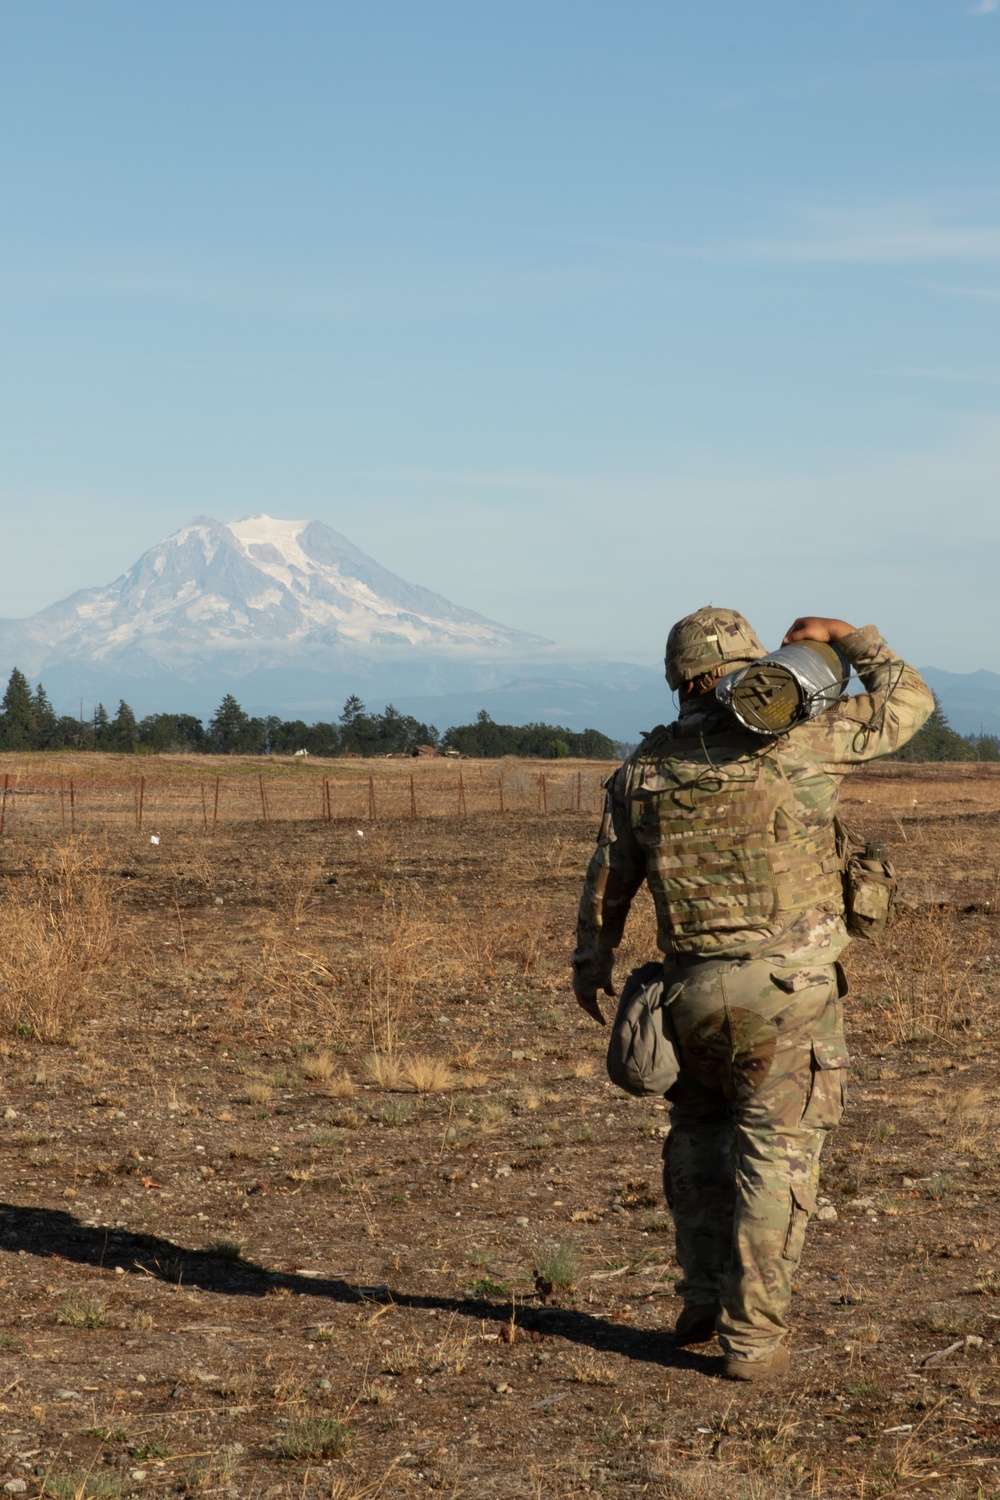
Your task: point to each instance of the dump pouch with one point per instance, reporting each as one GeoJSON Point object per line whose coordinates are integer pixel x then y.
{"type": "Point", "coordinates": [869, 884]}
{"type": "Point", "coordinates": [642, 1056]}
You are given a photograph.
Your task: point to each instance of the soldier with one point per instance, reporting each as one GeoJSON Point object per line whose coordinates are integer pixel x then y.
{"type": "Point", "coordinates": [733, 832]}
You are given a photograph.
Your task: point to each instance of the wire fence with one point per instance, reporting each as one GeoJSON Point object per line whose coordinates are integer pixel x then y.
{"type": "Point", "coordinates": [33, 802]}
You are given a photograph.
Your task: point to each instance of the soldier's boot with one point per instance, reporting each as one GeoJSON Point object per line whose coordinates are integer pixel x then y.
{"type": "Point", "coordinates": [771, 1368]}
{"type": "Point", "coordinates": [695, 1324]}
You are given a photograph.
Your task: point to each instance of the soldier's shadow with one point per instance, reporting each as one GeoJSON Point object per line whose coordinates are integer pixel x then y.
{"type": "Point", "coordinates": [54, 1233]}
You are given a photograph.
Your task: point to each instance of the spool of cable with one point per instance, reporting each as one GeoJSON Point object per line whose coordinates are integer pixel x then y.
{"type": "Point", "coordinates": [786, 687]}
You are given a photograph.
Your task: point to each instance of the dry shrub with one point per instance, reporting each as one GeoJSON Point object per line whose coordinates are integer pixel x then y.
{"type": "Point", "coordinates": [384, 1070]}
{"type": "Point", "coordinates": [377, 858]}
{"type": "Point", "coordinates": [59, 941]}
{"type": "Point", "coordinates": [590, 1369]}
{"type": "Point", "coordinates": [321, 1066]}
{"type": "Point", "coordinates": [467, 1062]}
{"type": "Point", "coordinates": [286, 886]}
{"type": "Point", "coordinates": [398, 951]}
{"type": "Point", "coordinates": [258, 1092]}
{"type": "Point", "coordinates": [974, 1117]}
{"type": "Point", "coordinates": [340, 1086]}
{"type": "Point", "coordinates": [702, 1480]}
{"type": "Point", "coordinates": [467, 1059]}
{"type": "Point", "coordinates": [428, 1075]}
{"type": "Point", "coordinates": [924, 982]}
{"type": "Point", "coordinates": [497, 936]}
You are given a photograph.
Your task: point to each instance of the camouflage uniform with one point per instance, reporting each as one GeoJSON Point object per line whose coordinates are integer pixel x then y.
{"type": "Point", "coordinates": [734, 835]}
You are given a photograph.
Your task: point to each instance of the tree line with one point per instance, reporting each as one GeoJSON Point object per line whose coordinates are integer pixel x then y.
{"type": "Point", "coordinates": [29, 722]}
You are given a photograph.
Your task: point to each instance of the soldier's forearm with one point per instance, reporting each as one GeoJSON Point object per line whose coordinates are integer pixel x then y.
{"type": "Point", "coordinates": [897, 701]}
{"type": "Point", "coordinates": [607, 897]}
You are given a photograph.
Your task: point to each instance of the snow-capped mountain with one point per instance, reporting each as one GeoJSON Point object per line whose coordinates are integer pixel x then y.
{"type": "Point", "coordinates": [255, 590]}
{"type": "Point", "coordinates": [287, 614]}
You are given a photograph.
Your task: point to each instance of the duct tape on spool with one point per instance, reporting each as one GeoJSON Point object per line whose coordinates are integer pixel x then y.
{"type": "Point", "coordinates": [786, 687]}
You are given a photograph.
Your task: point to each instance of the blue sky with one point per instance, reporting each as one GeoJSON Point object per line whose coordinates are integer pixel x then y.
{"type": "Point", "coordinates": [580, 313]}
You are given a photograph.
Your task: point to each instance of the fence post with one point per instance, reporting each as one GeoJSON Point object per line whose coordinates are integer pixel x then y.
{"type": "Point", "coordinates": [413, 799]}
{"type": "Point", "coordinates": [579, 789]}
{"type": "Point", "coordinates": [204, 807]}
{"type": "Point", "coordinates": [371, 798]}
{"type": "Point", "coordinates": [544, 794]}
{"type": "Point", "coordinates": [500, 790]}
{"type": "Point", "coordinates": [329, 802]}
{"type": "Point", "coordinates": [62, 800]}
{"type": "Point", "coordinates": [263, 799]}
{"type": "Point", "coordinates": [142, 798]}
{"type": "Point", "coordinates": [72, 806]}
{"type": "Point", "coordinates": [463, 811]}
{"type": "Point", "coordinates": [215, 809]}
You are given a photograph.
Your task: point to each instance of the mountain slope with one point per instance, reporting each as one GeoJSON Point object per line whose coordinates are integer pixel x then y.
{"type": "Point", "coordinates": [258, 593]}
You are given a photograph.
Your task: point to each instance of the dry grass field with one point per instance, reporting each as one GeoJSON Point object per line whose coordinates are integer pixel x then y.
{"type": "Point", "coordinates": [313, 1184]}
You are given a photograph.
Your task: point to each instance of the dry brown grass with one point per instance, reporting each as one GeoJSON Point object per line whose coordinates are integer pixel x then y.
{"type": "Point", "coordinates": [589, 1369]}
{"type": "Point", "coordinates": [60, 939]}
{"type": "Point", "coordinates": [340, 1086]}
{"type": "Point", "coordinates": [473, 924]}
{"type": "Point", "coordinates": [428, 1075]}
{"type": "Point", "coordinates": [974, 1116]}
{"type": "Point", "coordinates": [936, 989]}
{"type": "Point", "coordinates": [320, 1066]}
{"type": "Point", "coordinates": [258, 1092]}
{"type": "Point", "coordinates": [384, 1070]}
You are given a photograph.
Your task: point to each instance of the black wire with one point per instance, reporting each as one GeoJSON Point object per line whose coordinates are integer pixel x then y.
{"type": "Point", "coordinates": [864, 732]}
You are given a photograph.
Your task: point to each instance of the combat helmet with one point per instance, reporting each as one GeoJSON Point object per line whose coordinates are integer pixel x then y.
{"type": "Point", "coordinates": [708, 639]}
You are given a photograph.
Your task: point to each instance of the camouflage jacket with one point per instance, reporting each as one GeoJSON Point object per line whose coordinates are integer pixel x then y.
{"type": "Point", "coordinates": [734, 833]}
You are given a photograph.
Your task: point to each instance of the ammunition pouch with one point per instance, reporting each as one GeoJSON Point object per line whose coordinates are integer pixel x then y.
{"type": "Point", "coordinates": [869, 879]}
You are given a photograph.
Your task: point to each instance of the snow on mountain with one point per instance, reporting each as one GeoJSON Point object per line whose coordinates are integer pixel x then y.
{"type": "Point", "coordinates": [257, 594]}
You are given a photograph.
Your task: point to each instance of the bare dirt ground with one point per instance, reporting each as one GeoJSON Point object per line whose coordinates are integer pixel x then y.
{"type": "Point", "coordinates": [313, 1184]}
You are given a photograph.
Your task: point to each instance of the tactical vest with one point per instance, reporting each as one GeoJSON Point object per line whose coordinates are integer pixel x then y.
{"type": "Point", "coordinates": [732, 855]}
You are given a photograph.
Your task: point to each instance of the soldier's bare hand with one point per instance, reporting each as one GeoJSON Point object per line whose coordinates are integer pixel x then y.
{"type": "Point", "coordinates": [591, 1004]}
{"type": "Point", "coordinates": [816, 628]}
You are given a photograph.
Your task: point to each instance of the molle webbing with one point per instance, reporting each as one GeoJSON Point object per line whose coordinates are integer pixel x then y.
{"type": "Point", "coordinates": [729, 851]}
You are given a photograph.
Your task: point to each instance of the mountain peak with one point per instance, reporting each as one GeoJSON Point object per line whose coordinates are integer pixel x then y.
{"type": "Point", "coordinates": [258, 592]}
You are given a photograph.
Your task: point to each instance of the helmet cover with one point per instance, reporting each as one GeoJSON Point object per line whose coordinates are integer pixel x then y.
{"type": "Point", "coordinates": [708, 639]}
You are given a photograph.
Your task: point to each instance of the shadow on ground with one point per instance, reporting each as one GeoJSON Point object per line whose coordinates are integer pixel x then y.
{"type": "Point", "coordinates": [55, 1234]}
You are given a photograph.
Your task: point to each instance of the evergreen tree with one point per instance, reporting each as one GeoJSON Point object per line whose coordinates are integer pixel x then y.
{"type": "Point", "coordinates": [17, 714]}
{"type": "Point", "coordinates": [936, 740]}
{"type": "Point", "coordinates": [355, 727]}
{"type": "Point", "coordinates": [101, 727]}
{"type": "Point", "coordinates": [44, 724]}
{"type": "Point", "coordinates": [984, 746]}
{"type": "Point", "coordinates": [73, 734]}
{"type": "Point", "coordinates": [123, 731]}
{"type": "Point", "coordinates": [229, 728]}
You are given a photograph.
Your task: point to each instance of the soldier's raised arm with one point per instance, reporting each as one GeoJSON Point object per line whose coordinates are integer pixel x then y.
{"type": "Point", "coordinates": [895, 703]}
{"type": "Point", "coordinates": [616, 871]}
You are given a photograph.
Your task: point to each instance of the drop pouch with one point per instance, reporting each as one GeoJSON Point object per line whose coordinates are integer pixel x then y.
{"type": "Point", "coordinates": [642, 1053]}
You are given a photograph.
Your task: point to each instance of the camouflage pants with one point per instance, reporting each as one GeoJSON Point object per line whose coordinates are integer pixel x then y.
{"type": "Point", "coordinates": [763, 1068]}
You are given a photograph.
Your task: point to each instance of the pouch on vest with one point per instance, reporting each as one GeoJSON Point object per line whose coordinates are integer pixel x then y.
{"type": "Point", "coordinates": [869, 884]}
{"type": "Point", "coordinates": [642, 1057]}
